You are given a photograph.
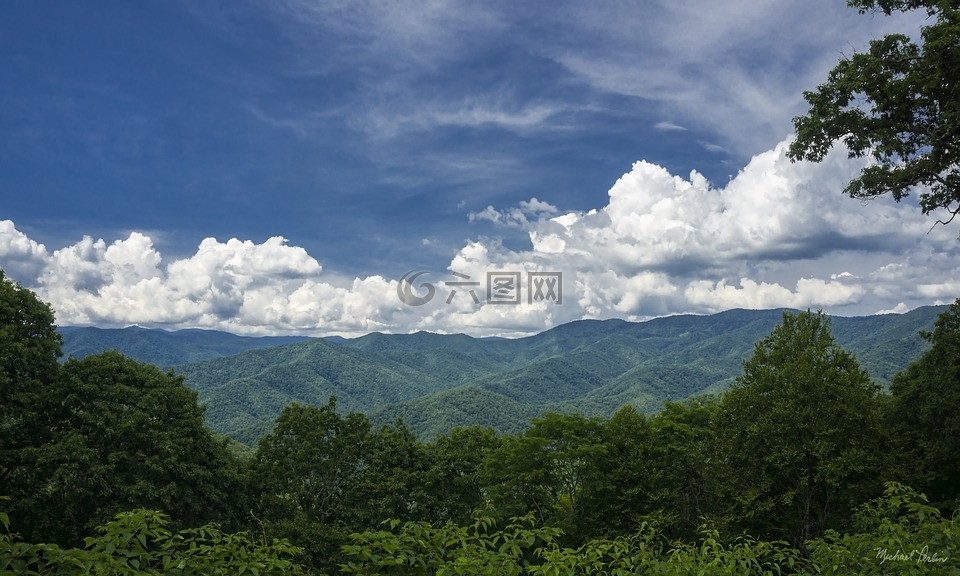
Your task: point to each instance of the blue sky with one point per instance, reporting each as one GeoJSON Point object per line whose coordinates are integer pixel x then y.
{"type": "Point", "coordinates": [381, 137]}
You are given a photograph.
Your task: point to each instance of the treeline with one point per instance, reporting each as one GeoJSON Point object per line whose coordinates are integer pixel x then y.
{"type": "Point", "coordinates": [804, 466]}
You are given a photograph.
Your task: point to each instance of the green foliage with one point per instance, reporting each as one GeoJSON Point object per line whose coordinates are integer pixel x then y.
{"type": "Point", "coordinates": [83, 441]}
{"type": "Point", "coordinates": [140, 543]}
{"type": "Point", "coordinates": [417, 548]}
{"type": "Point", "coordinates": [899, 102]}
{"type": "Point", "coordinates": [551, 469]}
{"type": "Point", "coordinates": [684, 487]}
{"type": "Point", "coordinates": [122, 435]}
{"type": "Point", "coordinates": [308, 478]}
{"type": "Point", "coordinates": [889, 6]}
{"type": "Point", "coordinates": [899, 533]}
{"type": "Point", "coordinates": [924, 414]}
{"type": "Point", "coordinates": [521, 548]}
{"type": "Point", "coordinates": [570, 375]}
{"type": "Point", "coordinates": [29, 348]}
{"type": "Point", "coordinates": [626, 491]}
{"type": "Point", "coordinates": [29, 343]}
{"type": "Point", "coordinates": [798, 434]}
{"type": "Point", "coordinates": [647, 552]}
{"type": "Point", "coordinates": [394, 465]}
{"type": "Point", "coordinates": [451, 487]}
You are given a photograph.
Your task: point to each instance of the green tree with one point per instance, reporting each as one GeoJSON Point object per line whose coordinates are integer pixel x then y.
{"type": "Point", "coordinates": [451, 488]}
{"type": "Point", "coordinates": [122, 435]}
{"type": "Point", "coordinates": [395, 462]}
{"type": "Point", "coordinates": [683, 487]}
{"type": "Point", "coordinates": [797, 434]}
{"type": "Point", "coordinates": [924, 414]}
{"type": "Point", "coordinates": [307, 478]}
{"type": "Point", "coordinates": [628, 492]}
{"type": "Point", "coordinates": [551, 469]}
{"type": "Point", "coordinates": [29, 349]}
{"type": "Point", "coordinates": [899, 102]}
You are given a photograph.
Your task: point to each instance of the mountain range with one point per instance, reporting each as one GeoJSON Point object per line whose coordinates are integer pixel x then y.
{"type": "Point", "coordinates": [435, 382]}
{"type": "Point", "coordinates": [161, 347]}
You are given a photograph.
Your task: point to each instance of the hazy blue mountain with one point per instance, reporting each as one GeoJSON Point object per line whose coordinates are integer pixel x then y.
{"type": "Point", "coordinates": [161, 347]}
{"type": "Point", "coordinates": [435, 382]}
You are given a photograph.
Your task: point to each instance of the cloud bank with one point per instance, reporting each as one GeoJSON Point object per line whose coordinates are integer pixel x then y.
{"type": "Point", "coordinates": [779, 234]}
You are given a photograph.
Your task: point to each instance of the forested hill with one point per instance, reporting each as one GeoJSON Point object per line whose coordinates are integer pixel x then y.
{"type": "Point", "coordinates": [436, 382]}
{"type": "Point", "coordinates": [161, 347]}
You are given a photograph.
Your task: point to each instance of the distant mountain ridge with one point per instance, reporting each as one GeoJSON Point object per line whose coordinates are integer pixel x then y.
{"type": "Point", "coordinates": [436, 382]}
{"type": "Point", "coordinates": [161, 347]}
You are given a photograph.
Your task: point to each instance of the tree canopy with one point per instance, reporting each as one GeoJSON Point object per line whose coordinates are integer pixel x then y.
{"type": "Point", "coordinates": [797, 434]}
{"type": "Point", "coordinates": [924, 416]}
{"type": "Point", "coordinates": [899, 103]}
{"type": "Point", "coordinates": [120, 435]}
{"type": "Point", "coordinates": [84, 441]}
{"type": "Point", "coordinates": [29, 349]}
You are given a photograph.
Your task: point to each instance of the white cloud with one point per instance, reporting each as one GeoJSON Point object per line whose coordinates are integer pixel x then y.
{"type": "Point", "coordinates": [518, 217]}
{"type": "Point", "coordinates": [735, 68]}
{"type": "Point", "coordinates": [21, 256]}
{"type": "Point", "coordinates": [388, 121]}
{"type": "Point", "coordinates": [949, 289]}
{"type": "Point", "coordinates": [779, 234]}
{"type": "Point", "coordinates": [900, 308]}
{"type": "Point", "coordinates": [408, 34]}
{"type": "Point", "coordinates": [810, 292]}
{"type": "Point", "coordinates": [539, 207]}
{"type": "Point", "coordinates": [489, 214]}
{"type": "Point", "coordinates": [669, 127]}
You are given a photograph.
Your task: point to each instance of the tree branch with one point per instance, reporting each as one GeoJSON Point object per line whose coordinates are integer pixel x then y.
{"type": "Point", "coordinates": [953, 214]}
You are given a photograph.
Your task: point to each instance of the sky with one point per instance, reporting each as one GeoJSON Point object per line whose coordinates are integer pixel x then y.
{"type": "Point", "coordinates": [278, 167]}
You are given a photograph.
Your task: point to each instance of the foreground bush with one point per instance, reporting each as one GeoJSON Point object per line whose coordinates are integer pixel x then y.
{"type": "Point", "coordinates": [899, 533]}
{"type": "Point", "coordinates": [138, 543]}
{"type": "Point", "coordinates": [520, 548]}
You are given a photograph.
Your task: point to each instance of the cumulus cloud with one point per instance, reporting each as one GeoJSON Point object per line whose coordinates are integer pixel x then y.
{"type": "Point", "coordinates": [900, 308]}
{"type": "Point", "coordinates": [21, 257]}
{"type": "Point", "coordinates": [751, 294]}
{"type": "Point", "coordinates": [779, 234]}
